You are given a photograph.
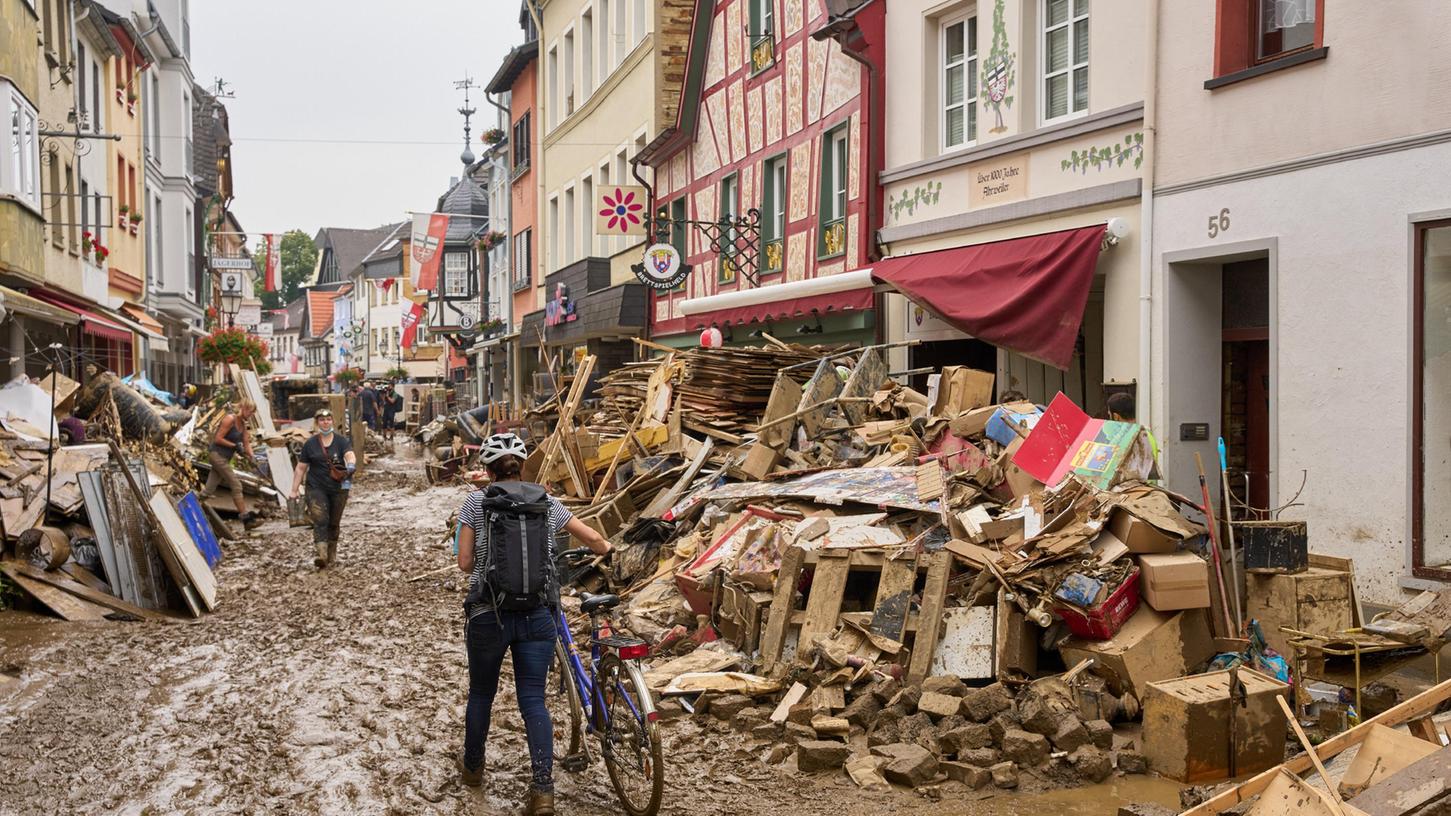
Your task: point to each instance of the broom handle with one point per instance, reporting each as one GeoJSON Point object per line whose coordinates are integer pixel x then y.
{"type": "Point", "coordinates": [1234, 574]}
{"type": "Point", "coordinates": [1214, 547]}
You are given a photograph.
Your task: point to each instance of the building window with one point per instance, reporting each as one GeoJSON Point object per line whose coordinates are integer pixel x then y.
{"type": "Point", "coordinates": [730, 208]}
{"type": "Point", "coordinates": [523, 260]}
{"type": "Point", "coordinates": [642, 25]}
{"type": "Point", "coordinates": [154, 102]}
{"type": "Point", "coordinates": [833, 193]}
{"type": "Point", "coordinates": [20, 173]}
{"type": "Point", "coordinates": [1431, 422]}
{"type": "Point", "coordinates": [569, 227]}
{"type": "Point", "coordinates": [554, 243]}
{"type": "Point", "coordinates": [959, 83]}
{"type": "Point", "coordinates": [773, 226]}
{"type": "Point", "coordinates": [679, 232]}
{"type": "Point", "coordinates": [1283, 26]}
{"type": "Point", "coordinates": [553, 110]}
{"type": "Point", "coordinates": [83, 101]}
{"type": "Point", "coordinates": [762, 34]}
{"type": "Point", "coordinates": [587, 221]}
{"type": "Point", "coordinates": [1250, 33]}
{"type": "Point", "coordinates": [456, 274]}
{"type": "Point", "coordinates": [566, 68]}
{"type": "Point", "coordinates": [1065, 58]}
{"type": "Point", "coordinates": [586, 54]}
{"type": "Point", "coordinates": [520, 142]}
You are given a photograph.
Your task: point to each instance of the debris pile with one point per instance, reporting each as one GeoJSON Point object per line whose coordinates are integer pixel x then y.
{"type": "Point", "coordinates": [915, 587]}
{"type": "Point", "coordinates": [100, 495]}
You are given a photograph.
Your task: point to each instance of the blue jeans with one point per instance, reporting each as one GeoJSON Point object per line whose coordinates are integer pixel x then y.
{"type": "Point", "coordinates": [530, 637]}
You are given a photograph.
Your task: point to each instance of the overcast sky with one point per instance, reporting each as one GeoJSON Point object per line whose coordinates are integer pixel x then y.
{"type": "Point", "coordinates": [316, 80]}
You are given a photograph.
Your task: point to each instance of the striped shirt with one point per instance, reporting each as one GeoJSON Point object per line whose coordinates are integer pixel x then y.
{"type": "Point", "coordinates": [475, 517]}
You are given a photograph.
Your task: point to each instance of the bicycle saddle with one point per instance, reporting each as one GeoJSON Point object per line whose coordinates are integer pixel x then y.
{"type": "Point", "coordinates": [594, 603]}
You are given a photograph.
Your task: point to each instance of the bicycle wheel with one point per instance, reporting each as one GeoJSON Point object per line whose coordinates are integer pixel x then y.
{"type": "Point", "coordinates": [565, 711]}
{"type": "Point", "coordinates": [630, 742]}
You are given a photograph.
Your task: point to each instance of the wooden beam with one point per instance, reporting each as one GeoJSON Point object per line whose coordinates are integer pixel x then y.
{"type": "Point", "coordinates": [823, 604]}
{"type": "Point", "coordinates": [781, 602]}
{"type": "Point", "coordinates": [934, 597]}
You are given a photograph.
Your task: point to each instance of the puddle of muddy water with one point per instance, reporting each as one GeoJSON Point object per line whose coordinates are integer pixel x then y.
{"type": "Point", "coordinates": [1090, 800]}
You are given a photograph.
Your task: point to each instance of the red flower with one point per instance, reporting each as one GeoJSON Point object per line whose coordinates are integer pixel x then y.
{"type": "Point", "coordinates": [621, 209]}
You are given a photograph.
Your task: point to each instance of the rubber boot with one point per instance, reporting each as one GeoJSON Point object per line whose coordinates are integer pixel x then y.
{"type": "Point", "coordinates": [472, 778]}
{"type": "Point", "coordinates": [321, 560]}
{"type": "Point", "coordinates": [250, 521]}
{"type": "Point", "coordinates": [332, 553]}
{"type": "Point", "coordinates": [539, 804]}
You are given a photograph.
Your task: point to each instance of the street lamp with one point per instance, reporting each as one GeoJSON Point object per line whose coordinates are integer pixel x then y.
{"type": "Point", "coordinates": [231, 295]}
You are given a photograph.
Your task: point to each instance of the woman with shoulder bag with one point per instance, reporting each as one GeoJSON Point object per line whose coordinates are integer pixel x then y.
{"type": "Point", "coordinates": [326, 468]}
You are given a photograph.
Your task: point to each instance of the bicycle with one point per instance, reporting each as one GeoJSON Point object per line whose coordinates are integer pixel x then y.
{"type": "Point", "coordinates": [609, 699]}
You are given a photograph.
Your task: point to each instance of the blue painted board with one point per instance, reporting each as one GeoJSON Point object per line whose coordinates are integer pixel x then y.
{"type": "Point", "coordinates": [200, 529]}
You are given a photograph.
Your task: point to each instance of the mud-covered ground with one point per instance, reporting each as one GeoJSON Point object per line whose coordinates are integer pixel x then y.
{"type": "Point", "coordinates": [343, 692]}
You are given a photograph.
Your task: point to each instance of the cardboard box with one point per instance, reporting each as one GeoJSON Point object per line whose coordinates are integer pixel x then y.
{"type": "Point", "coordinates": [1172, 581]}
{"type": "Point", "coordinates": [1317, 600]}
{"type": "Point", "coordinates": [1151, 646]}
{"type": "Point", "coordinates": [1190, 724]}
{"type": "Point", "coordinates": [959, 389]}
{"type": "Point", "coordinates": [741, 614]}
{"type": "Point", "coordinates": [1138, 535]}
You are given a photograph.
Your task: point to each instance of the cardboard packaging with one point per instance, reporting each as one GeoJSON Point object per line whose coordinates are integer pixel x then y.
{"type": "Point", "coordinates": [1138, 535]}
{"type": "Point", "coordinates": [1317, 600]}
{"type": "Point", "coordinates": [1151, 646]}
{"type": "Point", "coordinates": [1067, 440]}
{"type": "Point", "coordinates": [959, 389]}
{"type": "Point", "coordinates": [741, 614]}
{"type": "Point", "coordinates": [1190, 724]}
{"type": "Point", "coordinates": [1173, 581]}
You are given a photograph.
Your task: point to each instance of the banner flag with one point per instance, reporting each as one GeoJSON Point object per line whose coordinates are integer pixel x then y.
{"type": "Point", "coordinates": [427, 240]}
{"type": "Point", "coordinates": [410, 325]}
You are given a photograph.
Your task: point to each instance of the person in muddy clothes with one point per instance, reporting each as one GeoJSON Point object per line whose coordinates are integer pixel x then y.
{"type": "Point", "coordinates": [229, 437]}
{"type": "Point", "coordinates": [326, 468]}
{"type": "Point", "coordinates": [500, 620]}
{"type": "Point", "coordinates": [392, 407]}
{"type": "Point", "coordinates": [368, 400]}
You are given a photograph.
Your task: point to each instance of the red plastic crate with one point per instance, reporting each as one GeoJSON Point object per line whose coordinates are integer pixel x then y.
{"type": "Point", "coordinates": [1103, 621]}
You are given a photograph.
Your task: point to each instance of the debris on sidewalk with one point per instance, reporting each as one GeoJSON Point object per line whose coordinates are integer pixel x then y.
{"type": "Point", "coordinates": [100, 495]}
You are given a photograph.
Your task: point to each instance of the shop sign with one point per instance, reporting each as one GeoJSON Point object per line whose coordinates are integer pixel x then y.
{"type": "Point", "coordinates": [662, 267]}
{"type": "Point", "coordinates": [927, 327]}
{"type": "Point", "coordinates": [560, 309]}
{"type": "Point", "coordinates": [620, 210]}
{"type": "Point", "coordinates": [997, 181]}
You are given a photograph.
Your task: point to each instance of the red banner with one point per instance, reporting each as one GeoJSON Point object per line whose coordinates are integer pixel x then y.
{"type": "Point", "coordinates": [427, 240]}
{"type": "Point", "coordinates": [387, 284]}
{"type": "Point", "coordinates": [269, 265]}
{"type": "Point", "coordinates": [410, 325]}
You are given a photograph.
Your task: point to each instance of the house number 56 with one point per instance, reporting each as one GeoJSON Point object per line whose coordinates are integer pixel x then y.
{"type": "Point", "coordinates": [1219, 223]}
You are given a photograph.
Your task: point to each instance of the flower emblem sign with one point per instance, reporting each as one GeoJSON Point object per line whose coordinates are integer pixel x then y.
{"type": "Point", "coordinates": [621, 210]}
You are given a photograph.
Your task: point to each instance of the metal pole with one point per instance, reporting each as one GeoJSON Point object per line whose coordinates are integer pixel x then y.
{"type": "Point", "coordinates": [53, 431]}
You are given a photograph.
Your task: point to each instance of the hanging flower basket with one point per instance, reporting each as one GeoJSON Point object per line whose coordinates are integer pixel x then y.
{"type": "Point", "coordinates": [493, 136]}
{"type": "Point", "coordinates": [350, 376]}
{"type": "Point", "coordinates": [491, 240]}
{"type": "Point", "coordinates": [234, 346]}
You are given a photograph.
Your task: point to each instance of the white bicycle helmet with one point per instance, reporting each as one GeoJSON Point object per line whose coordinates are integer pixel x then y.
{"type": "Point", "coordinates": [500, 445]}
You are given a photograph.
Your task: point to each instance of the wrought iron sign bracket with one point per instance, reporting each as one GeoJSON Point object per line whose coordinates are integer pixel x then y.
{"type": "Point", "coordinates": [737, 241]}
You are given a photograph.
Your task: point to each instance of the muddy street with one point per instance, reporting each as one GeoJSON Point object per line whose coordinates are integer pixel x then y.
{"type": "Point", "coordinates": [343, 692]}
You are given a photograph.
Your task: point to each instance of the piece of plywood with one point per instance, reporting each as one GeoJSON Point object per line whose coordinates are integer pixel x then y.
{"type": "Point", "coordinates": [894, 598]}
{"type": "Point", "coordinates": [85, 593]}
{"type": "Point", "coordinates": [823, 386]}
{"type": "Point", "coordinates": [58, 601]}
{"type": "Point", "coordinates": [175, 537]}
{"type": "Point", "coordinates": [823, 603]}
{"type": "Point", "coordinates": [793, 696]}
{"type": "Point", "coordinates": [868, 375]}
{"type": "Point", "coordinates": [1422, 782]}
{"type": "Point", "coordinates": [1289, 795]}
{"type": "Point", "coordinates": [279, 462]}
{"type": "Point", "coordinates": [782, 602]}
{"type": "Point", "coordinates": [967, 648]}
{"type": "Point", "coordinates": [141, 572]}
{"type": "Point", "coordinates": [90, 484]}
{"type": "Point", "coordinates": [1385, 752]}
{"type": "Point", "coordinates": [929, 630]}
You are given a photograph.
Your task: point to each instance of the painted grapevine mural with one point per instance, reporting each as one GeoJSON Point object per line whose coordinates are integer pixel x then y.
{"type": "Point", "coordinates": [998, 71]}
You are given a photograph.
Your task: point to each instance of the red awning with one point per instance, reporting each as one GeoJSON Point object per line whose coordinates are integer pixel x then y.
{"type": "Point", "coordinates": [91, 322]}
{"type": "Point", "coordinates": [1026, 295]}
{"type": "Point", "coordinates": [854, 300]}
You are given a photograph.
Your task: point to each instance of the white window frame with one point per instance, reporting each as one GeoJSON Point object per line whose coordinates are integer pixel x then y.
{"type": "Point", "coordinates": [774, 168]}
{"type": "Point", "coordinates": [566, 70]}
{"type": "Point", "coordinates": [587, 82]}
{"type": "Point", "coordinates": [569, 208]}
{"type": "Point", "coordinates": [969, 63]}
{"type": "Point", "coordinates": [20, 172]}
{"type": "Point", "coordinates": [455, 274]}
{"type": "Point", "coordinates": [553, 107]}
{"type": "Point", "coordinates": [1072, 66]}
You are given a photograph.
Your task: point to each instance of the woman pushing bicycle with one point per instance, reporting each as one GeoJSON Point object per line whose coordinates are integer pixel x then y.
{"type": "Point", "coordinates": [506, 539]}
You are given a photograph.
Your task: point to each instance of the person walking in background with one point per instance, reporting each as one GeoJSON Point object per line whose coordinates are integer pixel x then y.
{"type": "Point", "coordinates": [230, 436]}
{"type": "Point", "coordinates": [326, 468]}
{"type": "Point", "coordinates": [392, 407]}
{"type": "Point", "coordinates": [368, 405]}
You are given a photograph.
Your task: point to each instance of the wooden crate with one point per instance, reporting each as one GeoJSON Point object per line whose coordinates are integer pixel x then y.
{"type": "Point", "coordinates": [1318, 600]}
{"type": "Point", "coordinates": [1190, 724]}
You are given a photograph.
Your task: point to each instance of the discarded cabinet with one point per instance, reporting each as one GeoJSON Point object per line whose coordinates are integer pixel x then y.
{"type": "Point", "coordinates": [1317, 601]}
{"type": "Point", "coordinates": [1273, 547]}
{"type": "Point", "coordinates": [1199, 728]}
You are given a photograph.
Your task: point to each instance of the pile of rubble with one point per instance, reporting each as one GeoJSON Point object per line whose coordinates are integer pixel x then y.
{"type": "Point", "coordinates": [101, 508]}
{"type": "Point", "coordinates": [926, 586]}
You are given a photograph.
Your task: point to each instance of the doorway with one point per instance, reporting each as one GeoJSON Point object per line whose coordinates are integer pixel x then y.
{"type": "Point", "coordinates": [1245, 384]}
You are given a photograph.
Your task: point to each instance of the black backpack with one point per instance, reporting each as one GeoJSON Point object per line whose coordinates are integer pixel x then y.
{"type": "Point", "coordinates": [518, 573]}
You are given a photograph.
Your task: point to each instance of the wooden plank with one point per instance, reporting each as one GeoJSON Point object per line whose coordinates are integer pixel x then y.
{"type": "Point", "coordinates": [142, 569]}
{"type": "Point", "coordinates": [894, 593]}
{"type": "Point", "coordinates": [785, 396]}
{"type": "Point", "coordinates": [58, 601]}
{"type": "Point", "coordinates": [1310, 752]}
{"type": "Point", "coordinates": [1422, 782]}
{"type": "Point", "coordinates": [1424, 703]}
{"type": "Point", "coordinates": [929, 631]}
{"type": "Point", "coordinates": [85, 593]}
{"type": "Point", "coordinates": [667, 499]}
{"type": "Point", "coordinates": [174, 535]}
{"type": "Point", "coordinates": [823, 604]}
{"type": "Point", "coordinates": [793, 696]}
{"type": "Point", "coordinates": [84, 576]}
{"type": "Point", "coordinates": [279, 461]}
{"type": "Point", "coordinates": [781, 603]}
{"type": "Point", "coordinates": [822, 386]}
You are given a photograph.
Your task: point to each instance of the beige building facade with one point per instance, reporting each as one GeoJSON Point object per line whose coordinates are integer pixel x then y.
{"type": "Point", "coordinates": [1027, 119]}
{"type": "Point", "coordinates": [1301, 289]}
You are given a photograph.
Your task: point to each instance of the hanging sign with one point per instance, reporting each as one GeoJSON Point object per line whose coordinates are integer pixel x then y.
{"type": "Point", "coordinates": [559, 309]}
{"type": "Point", "coordinates": [620, 210]}
{"type": "Point", "coordinates": [661, 267]}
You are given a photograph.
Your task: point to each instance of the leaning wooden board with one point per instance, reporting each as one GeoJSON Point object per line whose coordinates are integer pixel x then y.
{"type": "Point", "coordinates": [58, 601]}
{"type": "Point", "coordinates": [85, 593]}
{"type": "Point", "coordinates": [175, 537]}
